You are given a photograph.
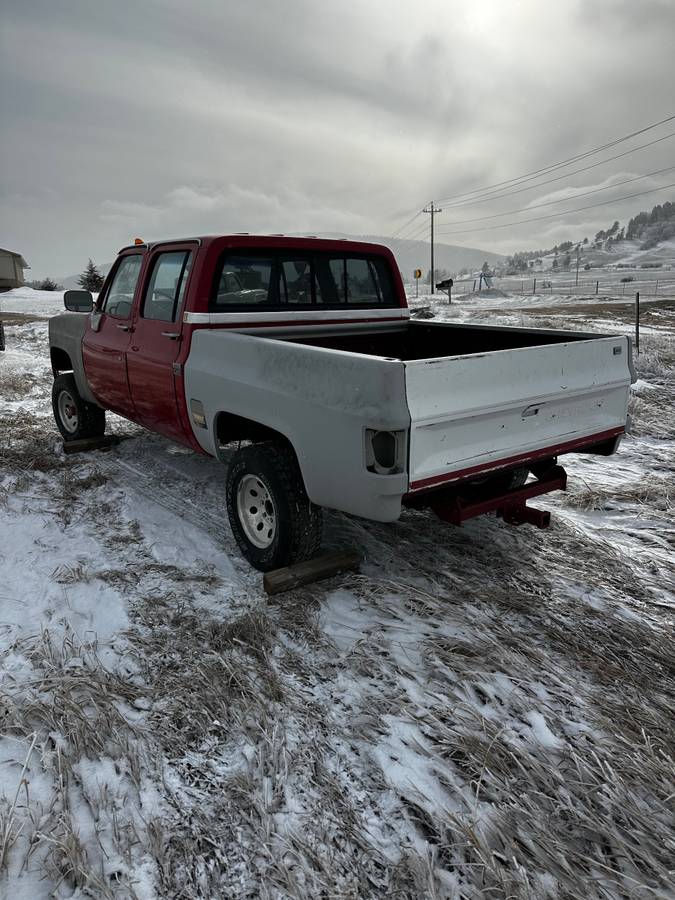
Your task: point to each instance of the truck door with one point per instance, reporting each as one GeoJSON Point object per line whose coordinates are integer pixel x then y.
{"type": "Point", "coordinates": [155, 343]}
{"type": "Point", "coordinates": [107, 338]}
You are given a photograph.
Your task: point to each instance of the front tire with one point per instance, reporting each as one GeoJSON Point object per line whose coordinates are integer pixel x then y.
{"type": "Point", "coordinates": [273, 520]}
{"type": "Point", "coordinates": [75, 418]}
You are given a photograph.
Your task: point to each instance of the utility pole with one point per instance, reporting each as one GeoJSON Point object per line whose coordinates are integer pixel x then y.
{"type": "Point", "coordinates": [432, 210]}
{"type": "Point", "coordinates": [577, 279]}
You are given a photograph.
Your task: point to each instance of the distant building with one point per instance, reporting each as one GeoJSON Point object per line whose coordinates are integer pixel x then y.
{"type": "Point", "coordinates": [11, 270]}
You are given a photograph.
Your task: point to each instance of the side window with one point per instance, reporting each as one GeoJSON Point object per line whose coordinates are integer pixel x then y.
{"type": "Point", "coordinates": [243, 281]}
{"type": "Point", "coordinates": [166, 288]}
{"type": "Point", "coordinates": [119, 298]}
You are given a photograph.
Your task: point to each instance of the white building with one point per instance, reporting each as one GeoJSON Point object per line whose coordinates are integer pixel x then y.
{"type": "Point", "coordinates": [11, 270]}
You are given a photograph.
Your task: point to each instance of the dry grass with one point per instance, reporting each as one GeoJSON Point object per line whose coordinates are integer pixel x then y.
{"type": "Point", "coordinates": [655, 495]}
{"type": "Point", "coordinates": [73, 712]}
{"type": "Point", "coordinates": [29, 445]}
{"type": "Point", "coordinates": [17, 385]}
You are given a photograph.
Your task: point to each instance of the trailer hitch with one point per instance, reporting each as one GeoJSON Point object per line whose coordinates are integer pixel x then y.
{"type": "Point", "coordinates": [522, 514]}
{"type": "Point", "coordinates": [457, 506]}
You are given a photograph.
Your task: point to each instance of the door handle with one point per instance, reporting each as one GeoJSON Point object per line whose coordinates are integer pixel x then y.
{"type": "Point", "coordinates": [172, 335]}
{"type": "Point", "coordinates": [125, 328]}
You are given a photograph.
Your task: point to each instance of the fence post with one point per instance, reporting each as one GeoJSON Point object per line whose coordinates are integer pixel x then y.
{"type": "Point", "coordinates": [637, 322]}
{"type": "Point", "coordinates": [657, 287]}
{"type": "Point", "coordinates": [534, 286]}
{"type": "Point", "coordinates": [597, 284]}
{"type": "Point", "coordinates": [474, 286]}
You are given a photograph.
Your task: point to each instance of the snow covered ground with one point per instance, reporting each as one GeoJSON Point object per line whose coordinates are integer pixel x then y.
{"type": "Point", "coordinates": [484, 712]}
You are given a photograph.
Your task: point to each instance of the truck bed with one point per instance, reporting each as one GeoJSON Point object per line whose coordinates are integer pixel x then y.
{"type": "Point", "coordinates": [469, 400]}
{"type": "Point", "coordinates": [483, 397]}
{"type": "Point", "coordinates": [423, 340]}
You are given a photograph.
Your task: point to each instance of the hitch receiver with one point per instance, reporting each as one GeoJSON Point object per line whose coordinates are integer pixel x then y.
{"type": "Point", "coordinates": [522, 513]}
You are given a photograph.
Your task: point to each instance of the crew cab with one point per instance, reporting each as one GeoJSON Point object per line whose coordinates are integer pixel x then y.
{"type": "Point", "coordinates": [301, 355]}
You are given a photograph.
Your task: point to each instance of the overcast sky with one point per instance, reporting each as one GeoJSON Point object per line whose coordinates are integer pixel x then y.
{"type": "Point", "coordinates": [162, 118]}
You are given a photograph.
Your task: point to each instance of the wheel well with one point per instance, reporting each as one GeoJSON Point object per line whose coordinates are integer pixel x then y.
{"type": "Point", "coordinates": [231, 428]}
{"type": "Point", "coordinates": [60, 361]}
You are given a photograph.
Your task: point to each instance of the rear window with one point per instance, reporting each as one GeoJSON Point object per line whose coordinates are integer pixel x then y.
{"type": "Point", "coordinates": [300, 281]}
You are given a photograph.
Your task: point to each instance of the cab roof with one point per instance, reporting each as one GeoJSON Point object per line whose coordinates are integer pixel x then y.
{"type": "Point", "coordinates": [244, 239]}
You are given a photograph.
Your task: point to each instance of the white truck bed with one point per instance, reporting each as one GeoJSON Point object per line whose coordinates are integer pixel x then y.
{"type": "Point", "coordinates": [511, 396]}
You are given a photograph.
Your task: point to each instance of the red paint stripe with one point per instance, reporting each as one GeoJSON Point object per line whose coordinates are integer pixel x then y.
{"type": "Point", "coordinates": [555, 450]}
{"type": "Point", "coordinates": [294, 323]}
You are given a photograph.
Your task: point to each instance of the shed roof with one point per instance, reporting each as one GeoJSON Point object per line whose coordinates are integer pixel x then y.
{"type": "Point", "coordinates": [22, 261]}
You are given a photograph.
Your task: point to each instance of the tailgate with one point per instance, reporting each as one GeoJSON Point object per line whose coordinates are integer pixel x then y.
{"type": "Point", "coordinates": [472, 413]}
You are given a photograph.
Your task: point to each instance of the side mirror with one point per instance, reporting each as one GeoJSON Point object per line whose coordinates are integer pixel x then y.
{"type": "Point", "coordinates": [78, 301]}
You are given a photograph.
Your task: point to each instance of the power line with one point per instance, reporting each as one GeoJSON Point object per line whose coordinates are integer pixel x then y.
{"type": "Point", "coordinates": [530, 187]}
{"type": "Point", "coordinates": [489, 192]}
{"type": "Point", "coordinates": [562, 163]}
{"type": "Point", "coordinates": [564, 199]}
{"type": "Point", "coordinates": [409, 222]}
{"type": "Point", "coordinates": [564, 212]}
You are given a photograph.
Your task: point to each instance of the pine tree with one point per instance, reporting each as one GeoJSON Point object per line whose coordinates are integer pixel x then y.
{"type": "Point", "coordinates": [47, 284]}
{"type": "Point", "coordinates": [91, 279]}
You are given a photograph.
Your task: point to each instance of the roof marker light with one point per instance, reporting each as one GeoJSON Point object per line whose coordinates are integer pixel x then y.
{"type": "Point", "coordinates": [138, 241]}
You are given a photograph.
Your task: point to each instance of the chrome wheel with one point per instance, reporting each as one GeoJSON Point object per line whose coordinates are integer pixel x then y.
{"type": "Point", "coordinates": [256, 511]}
{"type": "Point", "coordinates": [68, 412]}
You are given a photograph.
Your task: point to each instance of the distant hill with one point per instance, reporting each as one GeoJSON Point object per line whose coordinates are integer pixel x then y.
{"type": "Point", "coordinates": [645, 232]}
{"type": "Point", "coordinates": [410, 255]}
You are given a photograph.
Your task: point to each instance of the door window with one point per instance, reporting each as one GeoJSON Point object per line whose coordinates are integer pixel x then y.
{"type": "Point", "coordinates": [119, 298]}
{"type": "Point", "coordinates": [166, 288]}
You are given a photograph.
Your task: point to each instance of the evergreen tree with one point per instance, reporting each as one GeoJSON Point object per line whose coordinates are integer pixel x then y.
{"type": "Point", "coordinates": [47, 284]}
{"type": "Point", "coordinates": [91, 279]}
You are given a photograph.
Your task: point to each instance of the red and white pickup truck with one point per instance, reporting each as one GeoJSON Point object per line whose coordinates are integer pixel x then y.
{"type": "Point", "coordinates": [301, 353]}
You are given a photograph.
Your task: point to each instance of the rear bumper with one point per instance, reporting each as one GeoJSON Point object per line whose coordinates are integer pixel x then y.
{"type": "Point", "coordinates": [451, 505]}
{"type": "Point", "coordinates": [605, 442]}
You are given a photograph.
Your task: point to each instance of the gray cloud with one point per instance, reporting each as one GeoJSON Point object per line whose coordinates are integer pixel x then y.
{"type": "Point", "coordinates": [165, 118]}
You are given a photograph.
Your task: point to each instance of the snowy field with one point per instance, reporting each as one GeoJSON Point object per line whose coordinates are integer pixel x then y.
{"type": "Point", "coordinates": [484, 712]}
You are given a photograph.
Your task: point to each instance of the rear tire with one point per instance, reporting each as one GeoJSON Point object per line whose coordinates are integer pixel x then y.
{"type": "Point", "coordinates": [75, 418]}
{"type": "Point", "coordinates": [273, 520]}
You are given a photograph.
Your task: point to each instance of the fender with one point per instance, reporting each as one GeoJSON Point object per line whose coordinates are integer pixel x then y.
{"type": "Point", "coordinates": [66, 333]}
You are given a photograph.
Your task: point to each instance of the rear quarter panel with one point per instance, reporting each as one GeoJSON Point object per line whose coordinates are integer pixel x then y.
{"type": "Point", "coordinates": [321, 400]}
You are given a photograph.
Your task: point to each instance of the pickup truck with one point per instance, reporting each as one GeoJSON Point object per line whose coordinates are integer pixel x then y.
{"type": "Point", "coordinates": [295, 361]}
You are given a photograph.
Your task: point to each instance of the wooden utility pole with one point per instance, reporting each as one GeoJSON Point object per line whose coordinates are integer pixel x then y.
{"type": "Point", "coordinates": [637, 322]}
{"type": "Point", "coordinates": [432, 210]}
{"type": "Point", "coordinates": [577, 278]}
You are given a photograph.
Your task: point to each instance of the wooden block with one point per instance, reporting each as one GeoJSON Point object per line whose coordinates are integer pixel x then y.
{"type": "Point", "coordinates": [99, 443]}
{"type": "Point", "coordinates": [311, 570]}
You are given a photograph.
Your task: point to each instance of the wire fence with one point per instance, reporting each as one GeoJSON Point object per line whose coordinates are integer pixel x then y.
{"type": "Point", "coordinates": [542, 283]}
